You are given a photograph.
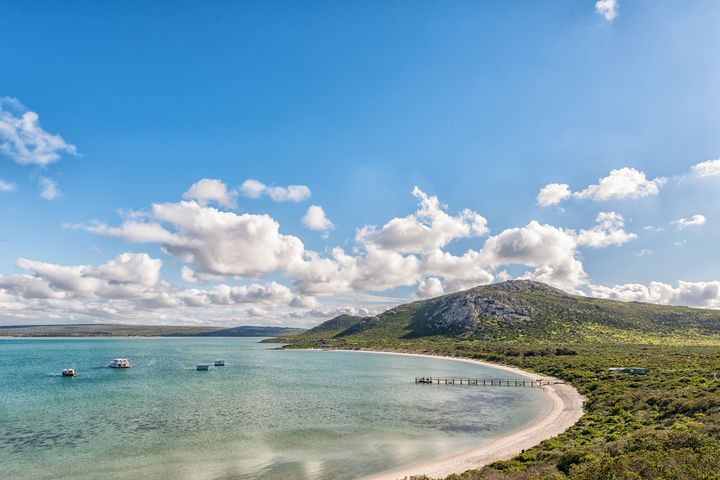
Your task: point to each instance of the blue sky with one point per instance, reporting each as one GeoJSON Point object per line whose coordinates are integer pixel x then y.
{"type": "Point", "coordinates": [480, 105]}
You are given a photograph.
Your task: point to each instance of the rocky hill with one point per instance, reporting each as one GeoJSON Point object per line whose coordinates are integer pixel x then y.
{"type": "Point", "coordinates": [522, 310]}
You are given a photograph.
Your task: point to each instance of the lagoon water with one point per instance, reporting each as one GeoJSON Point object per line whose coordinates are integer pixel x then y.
{"type": "Point", "coordinates": [266, 414]}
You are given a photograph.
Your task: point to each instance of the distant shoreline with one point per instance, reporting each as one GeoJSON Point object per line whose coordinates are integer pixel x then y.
{"type": "Point", "coordinates": [112, 330]}
{"type": "Point", "coordinates": [567, 409]}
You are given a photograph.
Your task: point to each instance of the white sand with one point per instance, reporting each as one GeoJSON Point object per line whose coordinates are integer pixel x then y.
{"type": "Point", "coordinates": [567, 409]}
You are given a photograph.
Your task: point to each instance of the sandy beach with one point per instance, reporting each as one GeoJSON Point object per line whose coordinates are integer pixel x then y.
{"type": "Point", "coordinates": [567, 408]}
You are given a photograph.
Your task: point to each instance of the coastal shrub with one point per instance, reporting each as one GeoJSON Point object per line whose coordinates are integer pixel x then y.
{"type": "Point", "coordinates": [567, 460]}
{"type": "Point", "coordinates": [565, 351]}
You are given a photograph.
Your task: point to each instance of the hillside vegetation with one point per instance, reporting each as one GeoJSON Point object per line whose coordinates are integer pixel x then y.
{"type": "Point", "coordinates": [665, 425]}
{"type": "Point", "coordinates": [524, 311]}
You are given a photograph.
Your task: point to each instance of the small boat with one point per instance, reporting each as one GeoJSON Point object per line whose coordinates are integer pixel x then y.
{"type": "Point", "coordinates": [203, 367]}
{"type": "Point", "coordinates": [68, 372]}
{"type": "Point", "coordinates": [219, 363]}
{"type": "Point", "coordinates": [120, 363]}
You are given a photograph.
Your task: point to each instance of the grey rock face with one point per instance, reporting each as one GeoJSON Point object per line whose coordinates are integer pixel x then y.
{"type": "Point", "coordinates": [461, 312]}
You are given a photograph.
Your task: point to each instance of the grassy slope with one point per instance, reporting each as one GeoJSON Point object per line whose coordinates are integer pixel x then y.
{"type": "Point", "coordinates": [665, 425]}
{"type": "Point", "coordinates": [563, 318]}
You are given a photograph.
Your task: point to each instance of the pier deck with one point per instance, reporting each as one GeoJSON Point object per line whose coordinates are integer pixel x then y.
{"type": "Point", "coordinates": [488, 382]}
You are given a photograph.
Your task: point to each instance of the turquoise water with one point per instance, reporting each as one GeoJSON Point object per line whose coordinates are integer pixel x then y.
{"type": "Point", "coordinates": [266, 414]}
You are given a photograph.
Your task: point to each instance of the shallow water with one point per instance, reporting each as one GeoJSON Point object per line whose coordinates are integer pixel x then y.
{"type": "Point", "coordinates": [266, 414]}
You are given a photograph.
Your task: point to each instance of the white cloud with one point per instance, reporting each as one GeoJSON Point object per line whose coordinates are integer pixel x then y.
{"type": "Point", "coordinates": [7, 186]}
{"type": "Point", "coordinates": [643, 253]}
{"type": "Point", "coordinates": [695, 220]}
{"type": "Point", "coordinates": [607, 8]}
{"type": "Point", "coordinates": [128, 275]}
{"type": "Point", "coordinates": [429, 288]}
{"type": "Point", "coordinates": [620, 184]}
{"type": "Point", "coordinates": [550, 249]}
{"type": "Point", "coordinates": [692, 294]}
{"type": "Point", "coordinates": [459, 272]}
{"type": "Point", "coordinates": [315, 219]}
{"type": "Point", "coordinates": [292, 193]}
{"type": "Point", "coordinates": [553, 193]}
{"type": "Point", "coordinates": [430, 227]}
{"type": "Point", "coordinates": [210, 190]}
{"type": "Point", "coordinates": [373, 270]}
{"type": "Point", "coordinates": [24, 141]}
{"type": "Point", "coordinates": [213, 246]}
{"type": "Point", "coordinates": [131, 231]}
{"type": "Point", "coordinates": [608, 231]}
{"type": "Point", "coordinates": [213, 241]}
{"type": "Point", "coordinates": [252, 188]}
{"type": "Point", "coordinates": [49, 189]}
{"type": "Point", "coordinates": [128, 286]}
{"type": "Point", "coordinates": [709, 168]}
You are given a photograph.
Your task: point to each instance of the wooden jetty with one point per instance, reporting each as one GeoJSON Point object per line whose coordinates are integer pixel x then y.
{"type": "Point", "coordinates": [488, 382]}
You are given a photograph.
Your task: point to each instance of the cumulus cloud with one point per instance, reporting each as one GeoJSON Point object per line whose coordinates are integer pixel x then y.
{"type": "Point", "coordinates": [458, 272]}
{"type": "Point", "coordinates": [292, 193]}
{"type": "Point", "coordinates": [315, 219]}
{"type": "Point", "coordinates": [551, 250]}
{"type": "Point", "coordinates": [430, 227]}
{"type": "Point", "coordinates": [607, 8]}
{"type": "Point", "coordinates": [608, 231]}
{"type": "Point", "coordinates": [49, 189]}
{"type": "Point", "coordinates": [692, 294]}
{"type": "Point", "coordinates": [7, 186]}
{"type": "Point", "coordinates": [127, 285]}
{"type": "Point", "coordinates": [431, 287]}
{"type": "Point", "coordinates": [709, 168]}
{"type": "Point", "coordinates": [372, 270]}
{"type": "Point", "coordinates": [210, 190]}
{"type": "Point", "coordinates": [695, 220]}
{"type": "Point", "coordinates": [128, 275]}
{"type": "Point", "coordinates": [620, 184]}
{"type": "Point", "coordinates": [213, 241]}
{"type": "Point", "coordinates": [214, 246]}
{"type": "Point", "coordinates": [23, 140]}
{"type": "Point", "coordinates": [553, 193]}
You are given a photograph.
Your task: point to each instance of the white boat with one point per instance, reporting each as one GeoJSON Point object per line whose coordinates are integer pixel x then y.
{"type": "Point", "coordinates": [219, 363]}
{"type": "Point", "coordinates": [120, 363]}
{"type": "Point", "coordinates": [68, 372]}
{"type": "Point", "coordinates": [203, 367]}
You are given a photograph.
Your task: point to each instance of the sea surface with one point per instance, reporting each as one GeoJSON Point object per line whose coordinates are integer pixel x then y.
{"type": "Point", "coordinates": [266, 414]}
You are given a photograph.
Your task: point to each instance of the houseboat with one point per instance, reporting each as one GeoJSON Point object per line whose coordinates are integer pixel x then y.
{"type": "Point", "coordinates": [219, 363]}
{"type": "Point", "coordinates": [68, 372]}
{"type": "Point", "coordinates": [120, 363]}
{"type": "Point", "coordinates": [203, 367]}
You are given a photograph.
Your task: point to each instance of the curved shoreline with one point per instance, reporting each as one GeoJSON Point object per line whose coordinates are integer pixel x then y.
{"type": "Point", "coordinates": [567, 408]}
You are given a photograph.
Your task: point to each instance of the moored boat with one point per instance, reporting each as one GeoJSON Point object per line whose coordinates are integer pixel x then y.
{"type": "Point", "coordinates": [120, 363]}
{"type": "Point", "coordinates": [68, 372]}
{"type": "Point", "coordinates": [219, 363]}
{"type": "Point", "coordinates": [203, 367]}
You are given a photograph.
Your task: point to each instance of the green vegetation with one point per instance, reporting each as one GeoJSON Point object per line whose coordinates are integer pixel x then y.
{"type": "Point", "coordinates": [116, 330]}
{"type": "Point", "coordinates": [665, 425]}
